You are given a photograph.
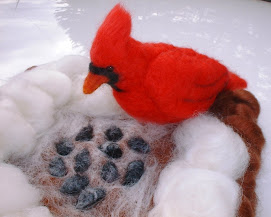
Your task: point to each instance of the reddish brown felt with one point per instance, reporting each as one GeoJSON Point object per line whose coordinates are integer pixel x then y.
{"type": "Point", "coordinates": [240, 110]}
{"type": "Point", "coordinates": [234, 103]}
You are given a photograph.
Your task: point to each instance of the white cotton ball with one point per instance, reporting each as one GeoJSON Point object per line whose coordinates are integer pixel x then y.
{"type": "Point", "coordinates": [15, 191]}
{"type": "Point", "coordinates": [54, 83]}
{"type": "Point", "coordinates": [100, 103]}
{"type": "Point", "coordinates": [190, 192]}
{"type": "Point", "coordinates": [34, 104]}
{"type": "Point", "coordinates": [17, 137]}
{"type": "Point", "coordinates": [73, 65]}
{"type": "Point", "coordinates": [205, 142]}
{"type": "Point", "coordinates": [8, 104]}
{"type": "Point", "coordinates": [40, 211]}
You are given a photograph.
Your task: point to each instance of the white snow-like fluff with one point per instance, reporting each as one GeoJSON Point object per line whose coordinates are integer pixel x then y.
{"type": "Point", "coordinates": [17, 137]}
{"type": "Point", "coordinates": [101, 103]}
{"type": "Point", "coordinates": [72, 66]}
{"type": "Point", "coordinates": [54, 83]}
{"type": "Point", "coordinates": [16, 193]}
{"type": "Point", "coordinates": [40, 211]}
{"type": "Point", "coordinates": [191, 192]}
{"type": "Point", "coordinates": [35, 105]}
{"type": "Point", "coordinates": [9, 105]}
{"type": "Point", "coordinates": [206, 142]}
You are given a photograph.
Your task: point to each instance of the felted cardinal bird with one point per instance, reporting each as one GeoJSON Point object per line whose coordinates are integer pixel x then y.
{"type": "Point", "coordinates": [154, 82]}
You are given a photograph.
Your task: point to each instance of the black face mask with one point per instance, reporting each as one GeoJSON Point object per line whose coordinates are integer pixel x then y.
{"type": "Point", "coordinates": [107, 72]}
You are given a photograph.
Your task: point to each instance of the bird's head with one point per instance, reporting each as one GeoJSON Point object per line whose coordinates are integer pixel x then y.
{"type": "Point", "coordinates": [109, 51]}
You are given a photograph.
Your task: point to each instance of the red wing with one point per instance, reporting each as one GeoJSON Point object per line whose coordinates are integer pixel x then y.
{"type": "Point", "coordinates": [183, 80]}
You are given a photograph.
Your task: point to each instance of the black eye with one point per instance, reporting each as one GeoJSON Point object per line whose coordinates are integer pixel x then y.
{"type": "Point", "coordinates": [110, 68]}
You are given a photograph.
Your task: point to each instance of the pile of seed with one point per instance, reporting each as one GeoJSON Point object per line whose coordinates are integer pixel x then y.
{"type": "Point", "coordinates": [79, 183]}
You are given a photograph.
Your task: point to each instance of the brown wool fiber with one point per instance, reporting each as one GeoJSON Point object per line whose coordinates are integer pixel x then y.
{"type": "Point", "coordinates": [241, 114]}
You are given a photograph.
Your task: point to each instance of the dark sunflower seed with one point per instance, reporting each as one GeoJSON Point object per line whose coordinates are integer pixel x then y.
{"type": "Point", "coordinates": [111, 149]}
{"type": "Point", "coordinates": [64, 147]}
{"type": "Point", "coordinates": [110, 172]}
{"type": "Point", "coordinates": [134, 172]}
{"type": "Point", "coordinates": [57, 167]}
{"type": "Point", "coordinates": [85, 134]}
{"type": "Point", "coordinates": [113, 134]}
{"type": "Point", "coordinates": [74, 184]}
{"type": "Point", "coordinates": [139, 145]}
{"type": "Point", "coordinates": [90, 197]}
{"type": "Point", "coordinates": [82, 161]}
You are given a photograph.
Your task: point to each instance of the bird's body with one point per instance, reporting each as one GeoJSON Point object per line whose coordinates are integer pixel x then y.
{"type": "Point", "coordinates": [154, 82]}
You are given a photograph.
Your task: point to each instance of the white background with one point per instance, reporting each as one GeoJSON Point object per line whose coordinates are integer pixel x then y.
{"type": "Point", "coordinates": [236, 32]}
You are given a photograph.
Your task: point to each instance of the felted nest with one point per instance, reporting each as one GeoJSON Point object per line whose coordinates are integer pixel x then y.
{"type": "Point", "coordinates": [204, 167]}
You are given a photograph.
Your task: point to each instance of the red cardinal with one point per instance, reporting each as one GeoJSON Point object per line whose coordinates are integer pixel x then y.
{"type": "Point", "coordinates": [154, 82]}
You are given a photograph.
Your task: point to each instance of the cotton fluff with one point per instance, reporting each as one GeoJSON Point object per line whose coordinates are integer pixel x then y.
{"type": "Point", "coordinates": [8, 104]}
{"type": "Point", "coordinates": [17, 137]}
{"type": "Point", "coordinates": [40, 211]}
{"type": "Point", "coordinates": [16, 193]}
{"type": "Point", "coordinates": [54, 83]}
{"type": "Point", "coordinates": [72, 66]}
{"type": "Point", "coordinates": [205, 142]}
{"type": "Point", "coordinates": [101, 103]}
{"type": "Point", "coordinates": [184, 191]}
{"type": "Point", "coordinates": [35, 105]}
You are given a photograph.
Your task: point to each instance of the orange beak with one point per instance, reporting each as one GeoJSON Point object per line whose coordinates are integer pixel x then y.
{"type": "Point", "coordinates": [92, 82]}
